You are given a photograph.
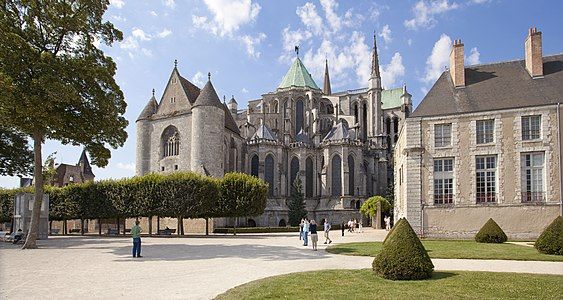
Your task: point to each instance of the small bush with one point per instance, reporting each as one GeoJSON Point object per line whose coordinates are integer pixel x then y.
{"type": "Point", "coordinates": [403, 256]}
{"type": "Point", "coordinates": [551, 239]}
{"type": "Point", "coordinates": [491, 233]}
{"type": "Point", "coordinates": [392, 228]}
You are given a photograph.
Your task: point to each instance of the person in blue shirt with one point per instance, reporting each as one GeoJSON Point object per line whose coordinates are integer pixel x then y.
{"type": "Point", "coordinates": [327, 231]}
{"type": "Point", "coordinates": [305, 232]}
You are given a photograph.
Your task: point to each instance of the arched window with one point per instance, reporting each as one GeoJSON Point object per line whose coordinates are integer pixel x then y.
{"type": "Point", "coordinates": [269, 173]}
{"type": "Point", "coordinates": [170, 142]}
{"type": "Point", "coordinates": [322, 108]}
{"type": "Point", "coordinates": [351, 169]}
{"type": "Point", "coordinates": [282, 223]}
{"type": "Point", "coordinates": [294, 170]}
{"type": "Point", "coordinates": [298, 116]}
{"type": "Point", "coordinates": [358, 204]}
{"type": "Point", "coordinates": [330, 109]}
{"type": "Point", "coordinates": [365, 121]}
{"type": "Point", "coordinates": [254, 166]}
{"type": "Point", "coordinates": [395, 129]}
{"type": "Point", "coordinates": [275, 106]}
{"type": "Point", "coordinates": [388, 125]}
{"type": "Point", "coordinates": [356, 113]}
{"type": "Point", "coordinates": [309, 177]}
{"type": "Point", "coordinates": [251, 223]}
{"type": "Point", "coordinates": [336, 168]}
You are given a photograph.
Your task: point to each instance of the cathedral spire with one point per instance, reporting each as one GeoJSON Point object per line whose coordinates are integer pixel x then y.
{"type": "Point", "coordinates": [374, 60]}
{"type": "Point", "coordinates": [326, 86]}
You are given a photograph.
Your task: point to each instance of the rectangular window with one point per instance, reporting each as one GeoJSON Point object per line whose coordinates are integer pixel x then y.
{"type": "Point", "coordinates": [442, 135]}
{"type": "Point", "coordinates": [485, 131]}
{"type": "Point", "coordinates": [485, 178]}
{"type": "Point", "coordinates": [531, 127]}
{"type": "Point", "coordinates": [443, 181]}
{"type": "Point", "coordinates": [532, 177]}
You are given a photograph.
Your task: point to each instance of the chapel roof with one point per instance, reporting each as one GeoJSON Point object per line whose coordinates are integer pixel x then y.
{"type": "Point", "coordinates": [298, 76]}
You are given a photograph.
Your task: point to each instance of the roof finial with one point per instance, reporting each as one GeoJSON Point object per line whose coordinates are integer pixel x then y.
{"type": "Point", "coordinates": [224, 99]}
{"type": "Point", "coordinates": [209, 76]}
{"type": "Point", "coordinates": [153, 92]}
{"type": "Point", "coordinates": [175, 63]}
{"type": "Point", "coordinates": [297, 50]}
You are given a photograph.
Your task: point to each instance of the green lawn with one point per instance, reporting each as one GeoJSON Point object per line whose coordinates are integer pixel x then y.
{"type": "Point", "coordinates": [454, 249]}
{"type": "Point", "coordinates": [363, 284]}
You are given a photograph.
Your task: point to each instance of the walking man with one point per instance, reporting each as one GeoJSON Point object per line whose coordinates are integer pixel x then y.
{"type": "Point", "coordinates": [327, 230]}
{"type": "Point", "coordinates": [305, 232]}
{"type": "Point", "coordinates": [136, 234]}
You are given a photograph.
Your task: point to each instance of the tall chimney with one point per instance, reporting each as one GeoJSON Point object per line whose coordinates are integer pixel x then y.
{"type": "Point", "coordinates": [534, 59]}
{"type": "Point", "coordinates": [457, 67]}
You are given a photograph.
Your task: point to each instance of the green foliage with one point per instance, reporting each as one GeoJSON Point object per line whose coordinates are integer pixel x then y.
{"type": "Point", "coordinates": [490, 233]}
{"type": "Point", "coordinates": [241, 195]}
{"type": "Point", "coordinates": [369, 207]}
{"type": "Point", "coordinates": [551, 239]}
{"type": "Point", "coordinates": [296, 203]}
{"type": "Point", "coordinates": [393, 229]}
{"type": "Point", "coordinates": [403, 256]}
{"type": "Point", "coordinates": [16, 157]}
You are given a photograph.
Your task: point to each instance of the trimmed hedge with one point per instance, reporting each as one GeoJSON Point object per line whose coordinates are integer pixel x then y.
{"type": "Point", "coordinates": [392, 229]}
{"type": "Point", "coordinates": [403, 257]}
{"type": "Point", "coordinates": [551, 239]}
{"type": "Point", "coordinates": [491, 233]}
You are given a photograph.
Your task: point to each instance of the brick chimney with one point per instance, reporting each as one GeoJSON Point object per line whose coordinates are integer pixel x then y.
{"type": "Point", "coordinates": [534, 59]}
{"type": "Point", "coordinates": [457, 67]}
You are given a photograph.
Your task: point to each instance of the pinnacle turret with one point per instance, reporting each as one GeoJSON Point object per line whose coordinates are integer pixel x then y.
{"type": "Point", "coordinates": [326, 85]}
{"type": "Point", "coordinates": [374, 60]}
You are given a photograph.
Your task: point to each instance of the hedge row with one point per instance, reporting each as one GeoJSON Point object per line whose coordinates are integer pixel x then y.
{"type": "Point", "coordinates": [178, 195]}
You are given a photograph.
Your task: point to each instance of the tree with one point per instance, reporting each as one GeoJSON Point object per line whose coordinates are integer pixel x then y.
{"type": "Point", "coordinates": [16, 158]}
{"type": "Point", "coordinates": [296, 204]}
{"type": "Point", "coordinates": [56, 84]}
{"type": "Point", "coordinates": [370, 206]}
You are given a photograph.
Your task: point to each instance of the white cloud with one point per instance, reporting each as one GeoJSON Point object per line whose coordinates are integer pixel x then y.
{"type": "Point", "coordinates": [392, 71]}
{"type": "Point", "coordinates": [425, 12]}
{"type": "Point", "coordinates": [473, 58]}
{"type": "Point", "coordinates": [129, 43]}
{"type": "Point", "coordinates": [228, 16]}
{"type": "Point", "coordinates": [117, 3]}
{"type": "Point", "coordinates": [119, 18]}
{"type": "Point", "coordinates": [153, 13]}
{"type": "Point", "coordinates": [250, 42]}
{"type": "Point", "coordinates": [126, 166]}
{"type": "Point", "coordinates": [310, 18]}
{"type": "Point", "coordinates": [480, 1]}
{"type": "Point", "coordinates": [409, 42]}
{"type": "Point", "coordinates": [374, 13]}
{"type": "Point", "coordinates": [140, 34]}
{"type": "Point", "coordinates": [199, 79]}
{"type": "Point", "coordinates": [244, 91]}
{"type": "Point", "coordinates": [386, 34]}
{"type": "Point", "coordinates": [333, 19]}
{"type": "Point", "coordinates": [438, 59]}
{"type": "Point", "coordinates": [169, 3]}
{"type": "Point", "coordinates": [164, 33]}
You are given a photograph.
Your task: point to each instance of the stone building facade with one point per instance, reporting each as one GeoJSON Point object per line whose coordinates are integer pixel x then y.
{"type": "Point", "coordinates": [66, 174]}
{"type": "Point", "coordinates": [338, 144]}
{"type": "Point", "coordinates": [491, 150]}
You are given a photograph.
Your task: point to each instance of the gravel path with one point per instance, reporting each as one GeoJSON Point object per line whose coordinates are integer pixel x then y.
{"type": "Point", "coordinates": [187, 268]}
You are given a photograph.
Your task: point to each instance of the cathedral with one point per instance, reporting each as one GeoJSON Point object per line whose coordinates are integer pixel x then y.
{"type": "Point", "coordinates": [339, 144]}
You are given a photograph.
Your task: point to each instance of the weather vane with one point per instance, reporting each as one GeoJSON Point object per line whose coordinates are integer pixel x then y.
{"type": "Point", "coordinates": [297, 50]}
{"type": "Point", "coordinates": [175, 63]}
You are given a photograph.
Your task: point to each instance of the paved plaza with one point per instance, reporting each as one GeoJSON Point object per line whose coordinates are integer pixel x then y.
{"type": "Point", "coordinates": [188, 268]}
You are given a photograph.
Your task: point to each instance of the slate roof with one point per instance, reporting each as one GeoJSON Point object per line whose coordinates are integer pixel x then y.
{"type": "Point", "coordinates": [84, 161]}
{"type": "Point", "coordinates": [149, 110]}
{"type": "Point", "coordinates": [495, 86]}
{"type": "Point", "coordinates": [338, 132]}
{"type": "Point", "coordinates": [298, 76]}
{"type": "Point", "coordinates": [191, 90]}
{"type": "Point", "coordinates": [208, 97]}
{"type": "Point", "coordinates": [263, 132]}
{"type": "Point", "coordinates": [302, 137]}
{"type": "Point", "coordinates": [229, 121]}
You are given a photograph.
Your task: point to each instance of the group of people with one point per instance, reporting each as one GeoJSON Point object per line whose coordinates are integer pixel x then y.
{"type": "Point", "coordinates": [307, 228]}
{"type": "Point", "coordinates": [353, 224]}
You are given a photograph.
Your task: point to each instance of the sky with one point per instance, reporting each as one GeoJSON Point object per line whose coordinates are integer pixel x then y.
{"type": "Point", "coordinates": [248, 46]}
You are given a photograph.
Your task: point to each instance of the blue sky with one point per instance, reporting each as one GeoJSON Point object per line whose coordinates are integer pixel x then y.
{"type": "Point", "coordinates": [248, 45]}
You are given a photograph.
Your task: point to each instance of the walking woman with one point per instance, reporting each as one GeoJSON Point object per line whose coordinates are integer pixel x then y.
{"type": "Point", "coordinates": [314, 236]}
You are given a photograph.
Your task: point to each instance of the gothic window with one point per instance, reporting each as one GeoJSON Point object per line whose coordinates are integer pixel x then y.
{"type": "Point", "coordinates": [395, 129]}
{"type": "Point", "coordinates": [170, 142]}
{"type": "Point", "coordinates": [269, 174]}
{"type": "Point", "coordinates": [254, 166]}
{"type": "Point", "coordinates": [309, 177]}
{"type": "Point", "coordinates": [365, 121]}
{"type": "Point", "coordinates": [298, 116]}
{"type": "Point", "coordinates": [294, 169]}
{"type": "Point", "coordinates": [351, 169]}
{"type": "Point", "coordinates": [329, 109]}
{"type": "Point", "coordinates": [275, 106]}
{"type": "Point", "coordinates": [355, 113]}
{"type": "Point", "coordinates": [336, 169]}
{"type": "Point", "coordinates": [358, 204]}
{"type": "Point", "coordinates": [388, 126]}
{"type": "Point", "coordinates": [322, 109]}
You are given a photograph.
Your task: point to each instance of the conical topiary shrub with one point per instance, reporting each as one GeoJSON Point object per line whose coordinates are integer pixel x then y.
{"type": "Point", "coordinates": [403, 256]}
{"type": "Point", "coordinates": [551, 239]}
{"type": "Point", "coordinates": [491, 233]}
{"type": "Point", "coordinates": [392, 228]}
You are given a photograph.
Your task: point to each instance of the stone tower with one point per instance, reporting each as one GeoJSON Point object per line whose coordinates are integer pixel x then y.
{"type": "Point", "coordinates": [208, 123]}
{"type": "Point", "coordinates": [375, 123]}
{"type": "Point", "coordinates": [143, 150]}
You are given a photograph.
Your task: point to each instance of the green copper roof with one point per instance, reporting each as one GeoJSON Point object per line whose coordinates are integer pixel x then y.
{"type": "Point", "coordinates": [391, 98]}
{"type": "Point", "coordinates": [298, 76]}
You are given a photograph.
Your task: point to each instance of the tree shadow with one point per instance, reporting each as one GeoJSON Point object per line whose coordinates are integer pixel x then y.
{"type": "Point", "coordinates": [442, 275]}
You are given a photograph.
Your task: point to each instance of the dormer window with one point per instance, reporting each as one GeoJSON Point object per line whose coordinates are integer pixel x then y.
{"type": "Point", "coordinates": [172, 99]}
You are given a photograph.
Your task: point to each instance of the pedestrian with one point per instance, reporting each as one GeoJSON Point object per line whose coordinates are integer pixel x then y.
{"type": "Point", "coordinates": [305, 232]}
{"type": "Point", "coordinates": [136, 234]}
{"type": "Point", "coordinates": [355, 225]}
{"type": "Point", "coordinates": [342, 228]}
{"type": "Point", "coordinates": [360, 227]}
{"type": "Point", "coordinates": [387, 223]}
{"type": "Point", "coordinates": [327, 230]}
{"type": "Point", "coordinates": [301, 229]}
{"type": "Point", "coordinates": [18, 236]}
{"type": "Point", "coordinates": [314, 236]}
